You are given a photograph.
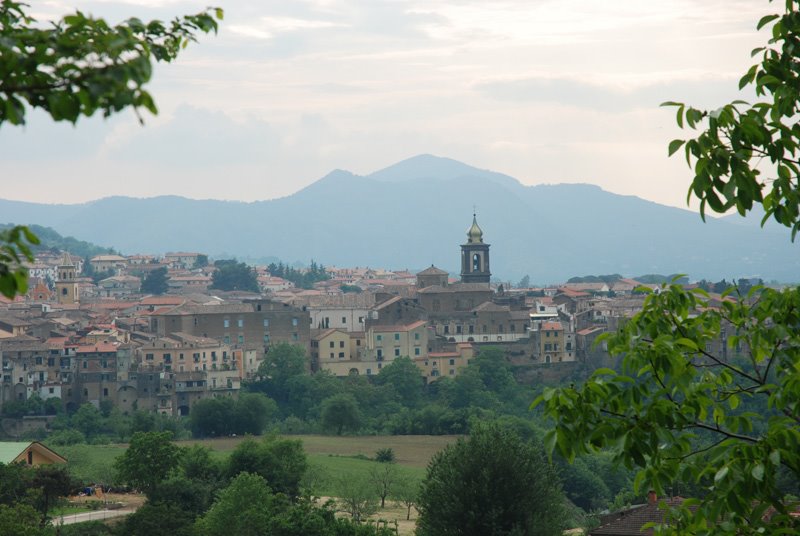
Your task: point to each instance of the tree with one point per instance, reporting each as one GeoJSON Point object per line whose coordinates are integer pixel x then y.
{"type": "Point", "coordinates": [525, 282]}
{"type": "Point", "coordinates": [51, 482]}
{"type": "Point", "coordinates": [340, 412]}
{"type": "Point", "coordinates": [150, 458]}
{"type": "Point", "coordinates": [283, 363]}
{"type": "Point", "coordinates": [406, 493]}
{"type": "Point", "coordinates": [357, 497]}
{"type": "Point", "coordinates": [404, 377]}
{"type": "Point", "coordinates": [158, 519]}
{"type": "Point", "coordinates": [243, 508]}
{"type": "Point", "coordinates": [87, 419]}
{"type": "Point", "coordinates": [710, 396]}
{"type": "Point", "coordinates": [20, 520]}
{"type": "Point", "coordinates": [155, 282]}
{"type": "Point", "coordinates": [491, 483]}
{"type": "Point", "coordinates": [77, 66]}
{"type": "Point", "coordinates": [200, 262]}
{"type": "Point", "coordinates": [281, 462]}
{"type": "Point", "coordinates": [384, 478]}
{"type": "Point", "coordinates": [232, 275]}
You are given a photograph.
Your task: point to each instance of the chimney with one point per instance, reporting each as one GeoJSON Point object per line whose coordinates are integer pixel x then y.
{"type": "Point", "coordinates": [652, 498]}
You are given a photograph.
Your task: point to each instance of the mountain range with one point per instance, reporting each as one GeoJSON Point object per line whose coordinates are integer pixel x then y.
{"type": "Point", "coordinates": [415, 213]}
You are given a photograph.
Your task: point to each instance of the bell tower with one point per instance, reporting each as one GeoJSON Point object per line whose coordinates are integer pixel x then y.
{"type": "Point", "coordinates": [475, 256]}
{"type": "Point", "coordinates": [66, 286]}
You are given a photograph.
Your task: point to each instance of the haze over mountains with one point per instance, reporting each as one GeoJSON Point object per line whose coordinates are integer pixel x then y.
{"type": "Point", "coordinates": [416, 213]}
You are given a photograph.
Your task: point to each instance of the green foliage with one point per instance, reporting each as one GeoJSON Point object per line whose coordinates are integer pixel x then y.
{"type": "Point", "coordinates": [355, 289]}
{"type": "Point", "coordinates": [224, 416]}
{"type": "Point", "coordinates": [384, 479]}
{"type": "Point", "coordinates": [747, 153]}
{"type": "Point", "coordinates": [403, 376]}
{"type": "Point", "coordinates": [682, 413]}
{"type": "Point", "coordinates": [233, 275]}
{"type": "Point", "coordinates": [155, 282]}
{"type": "Point", "coordinates": [357, 496]}
{"type": "Point", "coordinates": [611, 278]}
{"type": "Point", "coordinates": [158, 519]}
{"type": "Point", "coordinates": [491, 483]}
{"type": "Point", "coordinates": [201, 261]}
{"type": "Point", "coordinates": [21, 520]}
{"type": "Point", "coordinates": [281, 462]}
{"type": "Point", "coordinates": [243, 508]}
{"type": "Point", "coordinates": [525, 282]}
{"type": "Point", "coordinates": [385, 455]}
{"type": "Point", "coordinates": [51, 240]}
{"type": "Point", "coordinates": [149, 459]}
{"type": "Point", "coordinates": [302, 278]}
{"type": "Point", "coordinates": [658, 279]}
{"type": "Point", "coordinates": [340, 412]}
{"type": "Point", "coordinates": [16, 242]}
{"type": "Point", "coordinates": [80, 65]}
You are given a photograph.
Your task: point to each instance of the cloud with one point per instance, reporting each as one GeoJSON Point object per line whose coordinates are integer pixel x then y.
{"type": "Point", "coordinates": [611, 98]}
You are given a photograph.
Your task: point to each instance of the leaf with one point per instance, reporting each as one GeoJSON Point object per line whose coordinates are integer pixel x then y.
{"type": "Point", "coordinates": [674, 145]}
{"type": "Point", "coordinates": [766, 20]}
{"type": "Point", "coordinates": [721, 474]}
{"type": "Point", "coordinates": [758, 472]}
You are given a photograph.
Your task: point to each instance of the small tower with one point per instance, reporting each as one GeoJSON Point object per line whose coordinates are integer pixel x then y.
{"type": "Point", "coordinates": [475, 256]}
{"type": "Point", "coordinates": [66, 286]}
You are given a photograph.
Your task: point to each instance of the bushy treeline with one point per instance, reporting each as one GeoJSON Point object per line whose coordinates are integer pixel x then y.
{"type": "Point", "coordinates": [396, 401]}
{"type": "Point", "coordinates": [257, 490]}
{"type": "Point", "coordinates": [300, 278]}
{"type": "Point", "coordinates": [51, 240]}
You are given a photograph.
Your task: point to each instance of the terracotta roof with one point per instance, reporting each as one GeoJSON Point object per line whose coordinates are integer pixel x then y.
{"type": "Point", "coordinates": [629, 522]}
{"type": "Point", "coordinates": [573, 293]}
{"type": "Point", "coordinates": [407, 327]}
{"type": "Point", "coordinates": [162, 300]}
{"type": "Point", "coordinates": [96, 348]}
{"type": "Point", "coordinates": [491, 307]}
{"type": "Point", "coordinates": [432, 271]}
{"type": "Point", "coordinates": [552, 326]}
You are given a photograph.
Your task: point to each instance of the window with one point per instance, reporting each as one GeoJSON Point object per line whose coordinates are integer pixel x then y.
{"type": "Point", "coordinates": [295, 337]}
{"type": "Point", "coordinates": [240, 323]}
{"type": "Point", "coordinates": [227, 339]}
{"type": "Point", "coordinates": [51, 362]}
{"type": "Point", "coordinates": [241, 339]}
{"type": "Point", "coordinates": [341, 355]}
{"type": "Point", "coordinates": [378, 338]}
{"type": "Point", "coordinates": [332, 344]}
{"type": "Point", "coordinates": [294, 321]}
{"type": "Point", "coordinates": [547, 333]}
{"type": "Point", "coordinates": [416, 351]}
{"type": "Point", "coordinates": [358, 342]}
{"type": "Point", "coordinates": [380, 353]}
{"type": "Point", "coordinates": [397, 352]}
{"type": "Point", "coordinates": [332, 355]}
{"type": "Point", "coordinates": [51, 390]}
{"type": "Point", "coordinates": [397, 336]}
{"type": "Point", "coordinates": [452, 361]}
{"type": "Point", "coordinates": [446, 329]}
{"type": "Point", "coordinates": [180, 357]}
{"type": "Point", "coordinates": [380, 365]}
{"type": "Point", "coordinates": [458, 329]}
{"type": "Point", "coordinates": [266, 322]}
{"type": "Point", "coordinates": [85, 365]}
{"type": "Point", "coordinates": [452, 372]}
{"type": "Point", "coordinates": [416, 336]}
{"type": "Point", "coordinates": [105, 391]}
{"type": "Point", "coordinates": [226, 323]}
{"type": "Point", "coordinates": [341, 344]}
{"type": "Point", "coordinates": [266, 338]}
{"type": "Point", "coordinates": [369, 371]}
{"type": "Point", "coordinates": [471, 329]}
{"type": "Point", "coordinates": [360, 319]}
{"type": "Point", "coordinates": [344, 320]}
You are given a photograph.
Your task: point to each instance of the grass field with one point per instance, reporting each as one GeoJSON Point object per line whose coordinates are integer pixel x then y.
{"type": "Point", "coordinates": [331, 457]}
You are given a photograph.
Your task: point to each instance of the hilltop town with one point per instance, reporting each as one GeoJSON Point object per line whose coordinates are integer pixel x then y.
{"type": "Point", "coordinates": [79, 342]}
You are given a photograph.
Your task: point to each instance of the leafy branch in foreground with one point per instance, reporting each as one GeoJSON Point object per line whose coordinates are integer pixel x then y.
{"type": "Point", "coordinates": [681, 412]}
{"type": "Point", "coordinates": [14, 251]}
{"type": "Point", "coordinates": [749, 152]}
{"type": "Point", "coordinates": [79, 65]}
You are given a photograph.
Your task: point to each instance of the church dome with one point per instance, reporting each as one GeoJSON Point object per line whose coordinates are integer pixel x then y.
{"type": "Point", "coordinates": [474, 235]}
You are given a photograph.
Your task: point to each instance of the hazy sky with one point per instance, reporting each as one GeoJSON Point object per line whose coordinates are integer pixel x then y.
{"type": "Point", "coordinates": [547, 91]}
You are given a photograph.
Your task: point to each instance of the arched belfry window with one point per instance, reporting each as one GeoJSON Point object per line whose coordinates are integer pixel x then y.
{"type": "Point", "coordinates": [476, 262]}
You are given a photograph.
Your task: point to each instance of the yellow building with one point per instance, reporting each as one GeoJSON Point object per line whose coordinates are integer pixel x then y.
{"type": "Point", "coordinates": [66, 282]}
{"type": "Point", "coordinates": [551, 342]}
{"type": "Point", "coordinates": [30, 453]}
{"type": "Point", "coordinates": [438, 364]}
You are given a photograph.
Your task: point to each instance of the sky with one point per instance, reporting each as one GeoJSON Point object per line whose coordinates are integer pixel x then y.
{"type": "Point", "coordinates": [547, 91]}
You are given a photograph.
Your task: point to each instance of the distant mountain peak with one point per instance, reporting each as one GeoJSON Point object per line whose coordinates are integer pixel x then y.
{"type": "Point", "coordinates": [432, 167]}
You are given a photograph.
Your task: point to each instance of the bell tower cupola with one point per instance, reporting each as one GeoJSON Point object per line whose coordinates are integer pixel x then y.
{"type": "Point", "coordinates": [475, 256]}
